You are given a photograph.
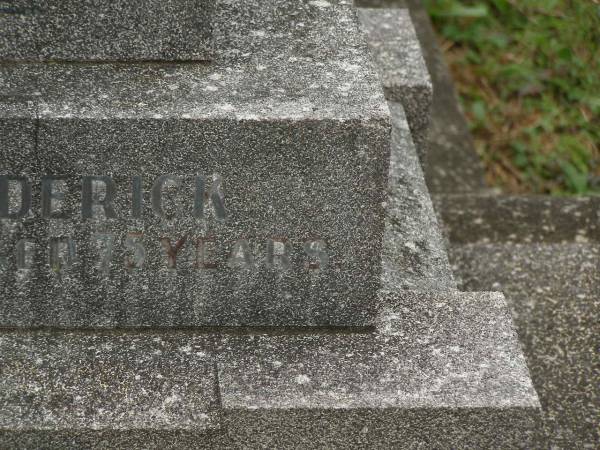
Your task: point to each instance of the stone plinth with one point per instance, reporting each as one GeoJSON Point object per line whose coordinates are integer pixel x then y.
{"type": "Point", "coordinates": [124, 30]}
{"type": "Point", "coordinates": [440, 370]}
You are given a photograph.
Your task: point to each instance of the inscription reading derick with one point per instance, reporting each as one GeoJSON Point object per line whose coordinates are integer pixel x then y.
{"type": "Point", "coordinates": [99, 204]}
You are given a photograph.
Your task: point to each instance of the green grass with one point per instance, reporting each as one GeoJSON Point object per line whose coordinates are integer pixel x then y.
{"type": "Point", "coordinates": [528, 75]}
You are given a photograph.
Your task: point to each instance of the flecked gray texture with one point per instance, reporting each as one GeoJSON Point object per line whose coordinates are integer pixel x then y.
{"type": "Point", "coordinates": [440, 370]}
{"type": "Point", "coordinates": [452, 165]}
{"type": "Point", "coordinates": [105, 382]}
{"type": "Point", "coordinates": [528, 219]}
{"type": "Point", "coordinates": [85, 30]}
{"type": "Point", "coordinates": [111, 439]}
{"type": "Point", "coordinates": [418, 428]}
{"type": "Point", "coordinates": [552, 290]}
{"type": "Point", "coordinates": [439, 354]}
{"type": "Point", "coordinates": [299, 135]}
{"type": "Point", "coordinates": [440, 428]}
{"type": "Point", "coordinates": [414, 253]}
{"type": "Point", "coordinates": [397, 52]}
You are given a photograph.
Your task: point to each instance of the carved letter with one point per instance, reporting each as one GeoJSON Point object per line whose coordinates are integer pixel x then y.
{"type": "Point", "coordinates": [241, 257]}
{"type": "Point", "coordinates": [139, 252]}
{"type": "Point", "coordinates": [92, 186]}
{"type": "Point", "coordinates": [5, 197]}
{"type": "Point", "coordinates": [214, 195]}
{"type": "Point", "coordinates": [278, 253]}
{"type": "Point", "coordinates": [50, 197]}
{"type": "Point", "coordinates": [316, 249]}
{"type": "Point", "coordinates": [201, 253]}
{"type": "Point", "coordinates": [62, 253]}
{"type": "Point", "coordinates": [25, 254]}
{"type": "Point", "coordinates": [172, 250]}
{"type": "Point", "coordinates": [109, 240]}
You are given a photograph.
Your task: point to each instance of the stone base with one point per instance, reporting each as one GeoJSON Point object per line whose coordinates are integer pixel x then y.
{"type": "Point", "coordinates": [441, 370]}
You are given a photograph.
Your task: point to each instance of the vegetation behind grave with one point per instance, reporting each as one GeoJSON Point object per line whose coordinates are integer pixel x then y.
{"type": "Point", "coordinates": [528, 75]}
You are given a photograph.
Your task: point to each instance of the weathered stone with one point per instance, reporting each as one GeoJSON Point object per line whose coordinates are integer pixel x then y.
{"type": "Point", "coordinates": [87, 30]}
{"type": "Point", "coordinates": [435, 359]}
{"type": "Point", "coordinates": [452, 165]}
{"type": "Point", "coordinates": [527, 219]}
{"type": "Point", "coordinates": [414, 253]}
{"type": "Point", "coordinates": [282, 155]}
{"type": "Point", "coordinates": [442, 369]}
{"type": "Point", "coordinates": [290, 136]}
{"type": "Point", "coordinates": [397, 52]}
{"type": "Point", "coordinates": [552, 290]}
{"type": "Point", "coordinates": [77, 382]}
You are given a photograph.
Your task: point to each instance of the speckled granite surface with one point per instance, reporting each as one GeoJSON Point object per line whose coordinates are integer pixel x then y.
{"type": "Point", "coordinates": [106, 30]}
{"type": "Point", "coordinates": [277, 154]}
{"type": "Point", "coordinates": [435, 368]}
{"type": "Point", "coordinates": [395, 46]}
{"type": "Point", "coordinates": [553, 290]}
{"type": "Point", "coordinates": [440, 370]}
{"type": "Point", "coordinates": [414, 252]}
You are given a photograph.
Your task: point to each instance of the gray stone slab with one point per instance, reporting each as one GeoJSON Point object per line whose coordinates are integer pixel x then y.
{"type": "Point", "coordinates": [397, 52]}
{"type": "Point", "coordinates": [433, 355]}
{"type": "Point", "coordinates": [527, 219]}
{"type": "Point", "coordinates": [440, 370]}
{"type": "Point", "coordinates": [442, 428]}
{"type": "Point", "coordinates": [111, 439]}
{"type": "Point", "coordinates": [552, 290]}
{"type": "Point", "coordinates": [452, 164]}
{"type": "Point", "coordinates": [558, 269]}
{"type": "Point", "coordinates": [294, 141]}
{"type": "Point", "coordinates": [414, 253]}
{"type": "Point", "coordinates": [87, 30]}
{"type": "Point", "coordinates": [76, 382]}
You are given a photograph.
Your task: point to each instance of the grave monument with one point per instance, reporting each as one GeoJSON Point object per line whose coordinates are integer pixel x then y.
{"type": "Point", "coordinates": [215, 233]}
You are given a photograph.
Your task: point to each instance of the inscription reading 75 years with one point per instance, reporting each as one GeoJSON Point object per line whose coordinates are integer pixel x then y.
{"type": "Point", "coordinates": [99, 201]}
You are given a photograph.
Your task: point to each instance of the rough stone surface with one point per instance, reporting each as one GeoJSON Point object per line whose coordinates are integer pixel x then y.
{"type": "Point", "coordinates": [440, 428]}
{"type": "Point", "coordinates": [414, 254]}
{"type": "Point", "coordinates": [98, 382]}
{"type": "Point", "coordinates": [393, 40]}
{"type": "Point", "coordinates": [452, 165]}
{"type": "Point", "coordinates": [553, 291]}
{"type": "Point", "coordinates": [433, 356]}
{"type": "Point", "coordinates": [87, 30]}
{"type": "Point", "coordinates": [527, 219]}
{"type": "Point", "coordinates": [293, 140]}
{"type": "Point", "coordinates": [540, 251]}
{"type": "Point", "coordinates": [441, 370]}
{"type": "Point", "coordinates": [434, 370]}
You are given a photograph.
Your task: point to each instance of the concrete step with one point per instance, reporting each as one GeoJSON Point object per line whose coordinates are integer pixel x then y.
{"type": "Point", "coordinates": [553, 291]}
{"type": "Point", "coordinates": [474, 218]}
{"type": "Point", "coordinates": [440, 369]}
